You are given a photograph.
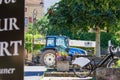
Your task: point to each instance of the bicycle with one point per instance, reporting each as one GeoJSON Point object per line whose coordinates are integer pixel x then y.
{"type": "Point", "coordinates": [83, 67]}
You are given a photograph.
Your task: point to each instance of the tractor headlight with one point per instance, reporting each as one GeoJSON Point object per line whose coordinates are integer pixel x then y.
{"type": "Point", "coordinates": [85, 52]}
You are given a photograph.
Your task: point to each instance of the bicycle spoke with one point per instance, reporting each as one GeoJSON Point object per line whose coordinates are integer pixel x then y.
{"type": "Point", "coordinates": [81, 72]}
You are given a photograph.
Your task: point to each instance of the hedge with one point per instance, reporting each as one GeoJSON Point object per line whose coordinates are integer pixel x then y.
{"type": "Point", "coordinates": [104, 38]}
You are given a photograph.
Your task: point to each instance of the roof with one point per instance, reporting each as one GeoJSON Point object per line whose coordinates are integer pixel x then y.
{"type": "Point", "coordinates": [32, 1]}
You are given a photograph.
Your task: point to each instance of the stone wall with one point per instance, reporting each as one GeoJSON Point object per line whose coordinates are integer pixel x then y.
{"type": "Point", "coordinates": [108, 74]}
{"type": "Point", "coordinates": [62, 65]}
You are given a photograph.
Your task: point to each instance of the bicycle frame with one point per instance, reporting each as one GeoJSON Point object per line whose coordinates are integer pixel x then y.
{"type": "Point", "coordinates": [108, 57]}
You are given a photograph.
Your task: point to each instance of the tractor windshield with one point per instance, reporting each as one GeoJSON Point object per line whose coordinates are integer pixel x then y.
{"type": "Point", "coordinates": [50, 42]}
{"type": "Point", "coordinates": [61, 42]}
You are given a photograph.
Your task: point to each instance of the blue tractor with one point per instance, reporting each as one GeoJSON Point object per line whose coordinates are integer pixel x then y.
{"type": "Point", "coordinates": [53, 45]}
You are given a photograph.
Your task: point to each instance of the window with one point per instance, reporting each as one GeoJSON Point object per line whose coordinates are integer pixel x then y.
{"type": "Point", "coordinates": [25, 9]}
{"type": "Point", "coordinates": [30, 19]}
{"type": "Point", "coordinates": [50, 42]}
{"type": "Point", "coordinates": [26, 22]}
{"type": "Point", "coordinates": [61, 42]}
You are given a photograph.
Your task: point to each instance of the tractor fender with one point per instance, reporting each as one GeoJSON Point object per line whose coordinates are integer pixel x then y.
{"type": "Point", "coordinates": [48, 48]}
{"type": "Point", "coordinates": [76, 51]}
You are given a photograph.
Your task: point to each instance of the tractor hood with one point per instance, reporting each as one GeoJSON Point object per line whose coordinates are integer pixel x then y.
{"type": "Point", "coordinates": [77, 51]}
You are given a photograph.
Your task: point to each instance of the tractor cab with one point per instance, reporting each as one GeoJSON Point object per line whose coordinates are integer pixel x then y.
{"type": "Point", "coordinates": [53, 42]}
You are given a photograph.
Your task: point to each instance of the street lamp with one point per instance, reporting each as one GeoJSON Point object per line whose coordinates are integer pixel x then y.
{"type": "Point", "coordinates": [34, 21]}
{"type": "Point", "coordinates": [42, 4]}
{"type": "Point", "coordinates": [34, 16]}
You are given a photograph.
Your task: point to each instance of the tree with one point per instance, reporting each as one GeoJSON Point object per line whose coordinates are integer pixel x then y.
{"type": "Point", "coordinates": [85, 14]}
{"type": "Point", "coordinates": [61, 19]}
{"type": "Point", "coordinates": [42, 25]}
{"type": "Point", "coordinates": [30, 35]}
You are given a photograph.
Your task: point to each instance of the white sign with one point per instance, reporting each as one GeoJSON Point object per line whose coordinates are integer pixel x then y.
{"type": "Point", "coordinates": [80, 43]}
{"type": "Point", "coordinates": [81, 61]}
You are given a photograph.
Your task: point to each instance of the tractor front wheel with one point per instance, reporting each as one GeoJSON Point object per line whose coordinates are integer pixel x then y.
{"type": "Point", "coordinates": [48, 58]}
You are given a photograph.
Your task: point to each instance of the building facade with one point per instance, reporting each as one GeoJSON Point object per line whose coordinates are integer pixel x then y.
{"type": "Point", "coordinates": [33, 11]}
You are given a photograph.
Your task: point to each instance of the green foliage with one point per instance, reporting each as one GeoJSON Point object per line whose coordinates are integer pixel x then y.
{"type": "Point", "coordinates": [43, 25]}
{"type": "Point", "coordinates": [61, 19]}
{"type": "Point", "coordinates": [87, 36]}
{"type": "Point", "coordinates": [28, 42]}
{"type": "Point", "coordinates": [105, 37]}
{"type": "Point", "coordinates": [118, 62]}
{"type": "Point", "coordinates": [116, 39]}
{"type": "Point", "coordinates": [37, 46]}
{"type": "Point", "coordinates": [30, 36]}
{"type": "Point", "coordinates": [85, 13]}
{"type": "Point", "coordinates": [98, 12]}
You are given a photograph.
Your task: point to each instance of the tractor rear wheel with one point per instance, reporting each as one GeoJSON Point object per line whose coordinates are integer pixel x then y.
{"type": "Point", "coordinates": [48, 58]}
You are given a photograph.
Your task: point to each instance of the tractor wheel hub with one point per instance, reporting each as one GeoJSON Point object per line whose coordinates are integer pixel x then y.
{"type": "Point", "coordinates": [49, 59]}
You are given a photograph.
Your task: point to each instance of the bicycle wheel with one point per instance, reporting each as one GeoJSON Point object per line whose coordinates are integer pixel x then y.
{"type": "Point", "coordinates": [82, 72]}
{"type": "Point", "coordinates": [115, 63]}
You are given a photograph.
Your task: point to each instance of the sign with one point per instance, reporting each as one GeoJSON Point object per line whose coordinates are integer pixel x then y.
{"type": "Point", "coordinates": [80, 43]}
{"type": "Point", "coordinates": [11, 39]}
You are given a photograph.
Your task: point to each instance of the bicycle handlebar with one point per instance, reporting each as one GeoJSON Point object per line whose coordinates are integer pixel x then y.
{"type": "Point", "coordinates": [112, 50]}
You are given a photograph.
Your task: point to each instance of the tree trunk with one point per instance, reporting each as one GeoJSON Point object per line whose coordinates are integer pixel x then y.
{"type": "Point", "coordinates": [97, 41]}
{"type": "Point", "coordinates": [108, 29]}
